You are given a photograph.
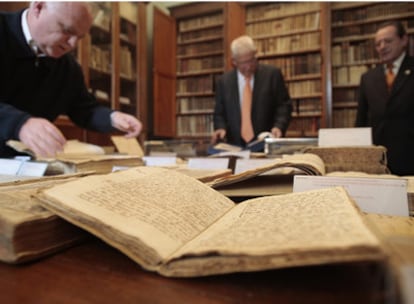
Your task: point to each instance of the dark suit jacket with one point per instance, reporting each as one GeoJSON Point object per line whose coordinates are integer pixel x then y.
{"type": "Point", "coordinates": [41, 87]}
{"type": "Point", "coordinates": [271, 104]}
{"type": "Point", "coordinates": [391, 115]}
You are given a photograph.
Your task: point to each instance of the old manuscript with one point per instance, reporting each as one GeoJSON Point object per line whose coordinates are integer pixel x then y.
{"type": "Point", "coordinates": [27, 230]}
{"type": "Point", "coordinates": [173, 224]}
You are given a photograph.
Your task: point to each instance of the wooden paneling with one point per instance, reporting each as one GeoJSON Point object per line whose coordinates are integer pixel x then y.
{"type": "Point", "coordinates": [164, 74]}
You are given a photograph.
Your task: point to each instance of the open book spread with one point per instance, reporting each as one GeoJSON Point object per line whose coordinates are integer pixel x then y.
{"type": "Point", "coordinates": [307, 163]}
{"type": "Point", "coordinates": [173, 224]}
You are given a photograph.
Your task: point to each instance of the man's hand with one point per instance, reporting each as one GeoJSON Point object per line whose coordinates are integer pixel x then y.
{"type": "Point", "coordinates": [42, 137]}
{"type": "Point", "coordinates": [276, 132]}
{"type": "Point", "coordinates": [126, 123]}
{"type": "Point", "coordinates": [218, 135]}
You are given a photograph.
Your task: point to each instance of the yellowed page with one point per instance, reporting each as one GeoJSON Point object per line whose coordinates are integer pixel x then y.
{"type": "Point", "coordinates": [129, 146]}
{"type": "Point", "coordinates": [146, 212]}
{"type": "Point", "coordinates": [312, 227]}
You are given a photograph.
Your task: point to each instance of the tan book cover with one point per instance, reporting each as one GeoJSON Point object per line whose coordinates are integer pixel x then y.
{"type": "Point", "coordinates": [27, 230]}
{"type": "Point", "coordinates": [368, 159]}
{"type": "Point", "coordinates": [177, 226]}
{"type": "Point", "coordinates": [81, 157]}
{"type": "Point", "coordinates": [306, 163]}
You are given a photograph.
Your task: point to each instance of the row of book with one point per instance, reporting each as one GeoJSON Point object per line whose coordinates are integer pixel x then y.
{"type": "Point", "coordinates": [311, 106]}
{"type": "Point", "coordinates": [371, 12]}
{"type": "Point", "coordinates": [200, 64]}
{"type": "Point", "coordinates": [100, 58]}
{"type": "Point", "coordinates": [102, 15]}
{"type": "Point", "coordinates": [197, 125]}
{"type": "Point", "coordinates": [200, 48]}
{"type": "Point", "coordinates": [275, 45]}
{"type": "Point", "coordinates": [128, 31]}
{"type": "Point", "coordinates": [204, 21]}
{"type": "Point", "coordinates": [198, 84]}
{"type": "Point", "coordinates": [344, 118]}
{"type": "Point", "coordinates": [195, 104]}
{"type": "Point", "coordinates": [127, 65]}
{"type": "Point", "coordinates": [303, 127]}
{"type": "Point", "coordinates": [345, 94]}
{"type": "Point", "coordinates": [360, 52]}
{"type": "Point", "coordinates": [348, 75]}
{"type": "Point", "coordinates": [360, 29]}
{"type": "Point", "coordinates": [201, 34]}
{"type": "Point", "coordinates": [296, 65]}
{"type": "Point", "coordinates": [285, 25]}
{"type": "Point", "coordinates": [305, 87]}
{"type": "Point", "coordinates": [279, 9]}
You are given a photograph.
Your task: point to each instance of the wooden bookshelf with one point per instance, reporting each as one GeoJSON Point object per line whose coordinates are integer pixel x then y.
{"type": "Point", "coordinates": [291, 36]}
{"type": "Point", "coordinates": [113, 57]}
{"type": "Point", "coordinates": [202, 34]}
{"type": "Point", "coordinates": [353, 52]}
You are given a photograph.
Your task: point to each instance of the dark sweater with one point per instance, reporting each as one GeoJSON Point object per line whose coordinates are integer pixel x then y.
{"type": "Point", "coordinates": [40, 87]}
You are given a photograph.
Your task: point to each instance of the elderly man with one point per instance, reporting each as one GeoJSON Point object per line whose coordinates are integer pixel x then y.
{"type": "Point", "coordinates": [40, 80]}
{"type": "Point", "coordinates": [250, 99]}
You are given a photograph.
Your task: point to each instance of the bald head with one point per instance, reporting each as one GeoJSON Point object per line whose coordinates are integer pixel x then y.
{"type": "Point", "coordinates": [56, 27]}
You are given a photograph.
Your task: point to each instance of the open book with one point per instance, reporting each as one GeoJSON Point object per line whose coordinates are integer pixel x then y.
{"type": "Point", "coordinates": [173, 224]}
{"type": "Point", "coordinates": [81, 157]}
{"type": "Point", "coordinates": [27, 230]}
{"type": "Point", "coordinates": [306, 163]}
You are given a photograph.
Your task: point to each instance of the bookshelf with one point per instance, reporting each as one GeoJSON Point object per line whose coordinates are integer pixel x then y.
{"type": "Point", "coordinates": [353, 52]}
{"type": "Point", "coordinates": [291, 36]}
{"type": "Point", "coordinates": [113, 59]}
{"type": "Point", "coordinates": [200, 59]}
{"type": "Point", "coordinates": [203, 32]}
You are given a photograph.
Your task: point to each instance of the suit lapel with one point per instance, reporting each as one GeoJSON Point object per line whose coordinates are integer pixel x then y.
{"type": "Point", "coordinates": [234, 95]}
{"type": "Point", "coordinates": [405, 71]}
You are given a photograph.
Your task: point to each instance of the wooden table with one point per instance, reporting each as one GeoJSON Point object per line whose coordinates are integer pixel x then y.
{"type": "Point", "coordinates": [94, 272]}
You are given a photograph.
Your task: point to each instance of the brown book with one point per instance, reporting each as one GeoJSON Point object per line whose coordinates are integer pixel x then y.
{"type": "Point", "coordinates": [306, 163]}
{"type": "Point", "coordinates": [64, 164]}
{"type": "Point", "coordinates": [81, 157]}
{"type": "Point", "coordinates": [27, 230]}
{"type": "Point", "coordinates": [370, 159]}
{"type": "Point", "coordinates": [177, 226]}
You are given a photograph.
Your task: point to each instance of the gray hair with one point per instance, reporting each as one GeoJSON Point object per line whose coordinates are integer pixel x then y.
{"type": "Point", "coordinates": [242, 45]}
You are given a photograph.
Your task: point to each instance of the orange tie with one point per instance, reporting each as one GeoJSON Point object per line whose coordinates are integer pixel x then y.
{"type": "Point", "coordinates": [389, 77]}
{"type": "Point", "coordinates": [246, 121]}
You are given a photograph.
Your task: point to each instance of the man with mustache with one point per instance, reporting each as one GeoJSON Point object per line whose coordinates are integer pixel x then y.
{"type": "Point", "coordinates": [386, 98]}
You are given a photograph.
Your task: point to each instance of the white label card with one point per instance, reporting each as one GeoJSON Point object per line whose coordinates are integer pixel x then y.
{"type": "Point", "coordinates": [208, 163]}
{"type": "Point", "coordinates": [160, 161]}
{"type": "Point", "coordinates": [344, 137]}
{"type": "Point", "coordinates": [374, 195]}
{"type": "Point", "coordinates": [9, 166]}
{"type": "Point", "coordinates": [32, 169]}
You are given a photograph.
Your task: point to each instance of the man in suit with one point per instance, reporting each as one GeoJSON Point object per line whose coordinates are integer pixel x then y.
{"type": "Point", "coordinates": [389, 109]}
{"type": "Point", "coordinates": [40, 80]}
{"type": "Point", "coordinates": [271, 105]}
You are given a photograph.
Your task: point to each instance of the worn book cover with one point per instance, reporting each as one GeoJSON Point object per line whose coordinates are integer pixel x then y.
{"type": "Point", "coordinates": [306, 163]}
{"type": "Point", "coordinates": [177, 226]}
{"type": "Point", "coordinates": [27, 230]}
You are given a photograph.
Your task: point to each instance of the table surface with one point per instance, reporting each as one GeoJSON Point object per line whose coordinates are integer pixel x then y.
{"type": "Point", "coordinates": [93, 272]}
